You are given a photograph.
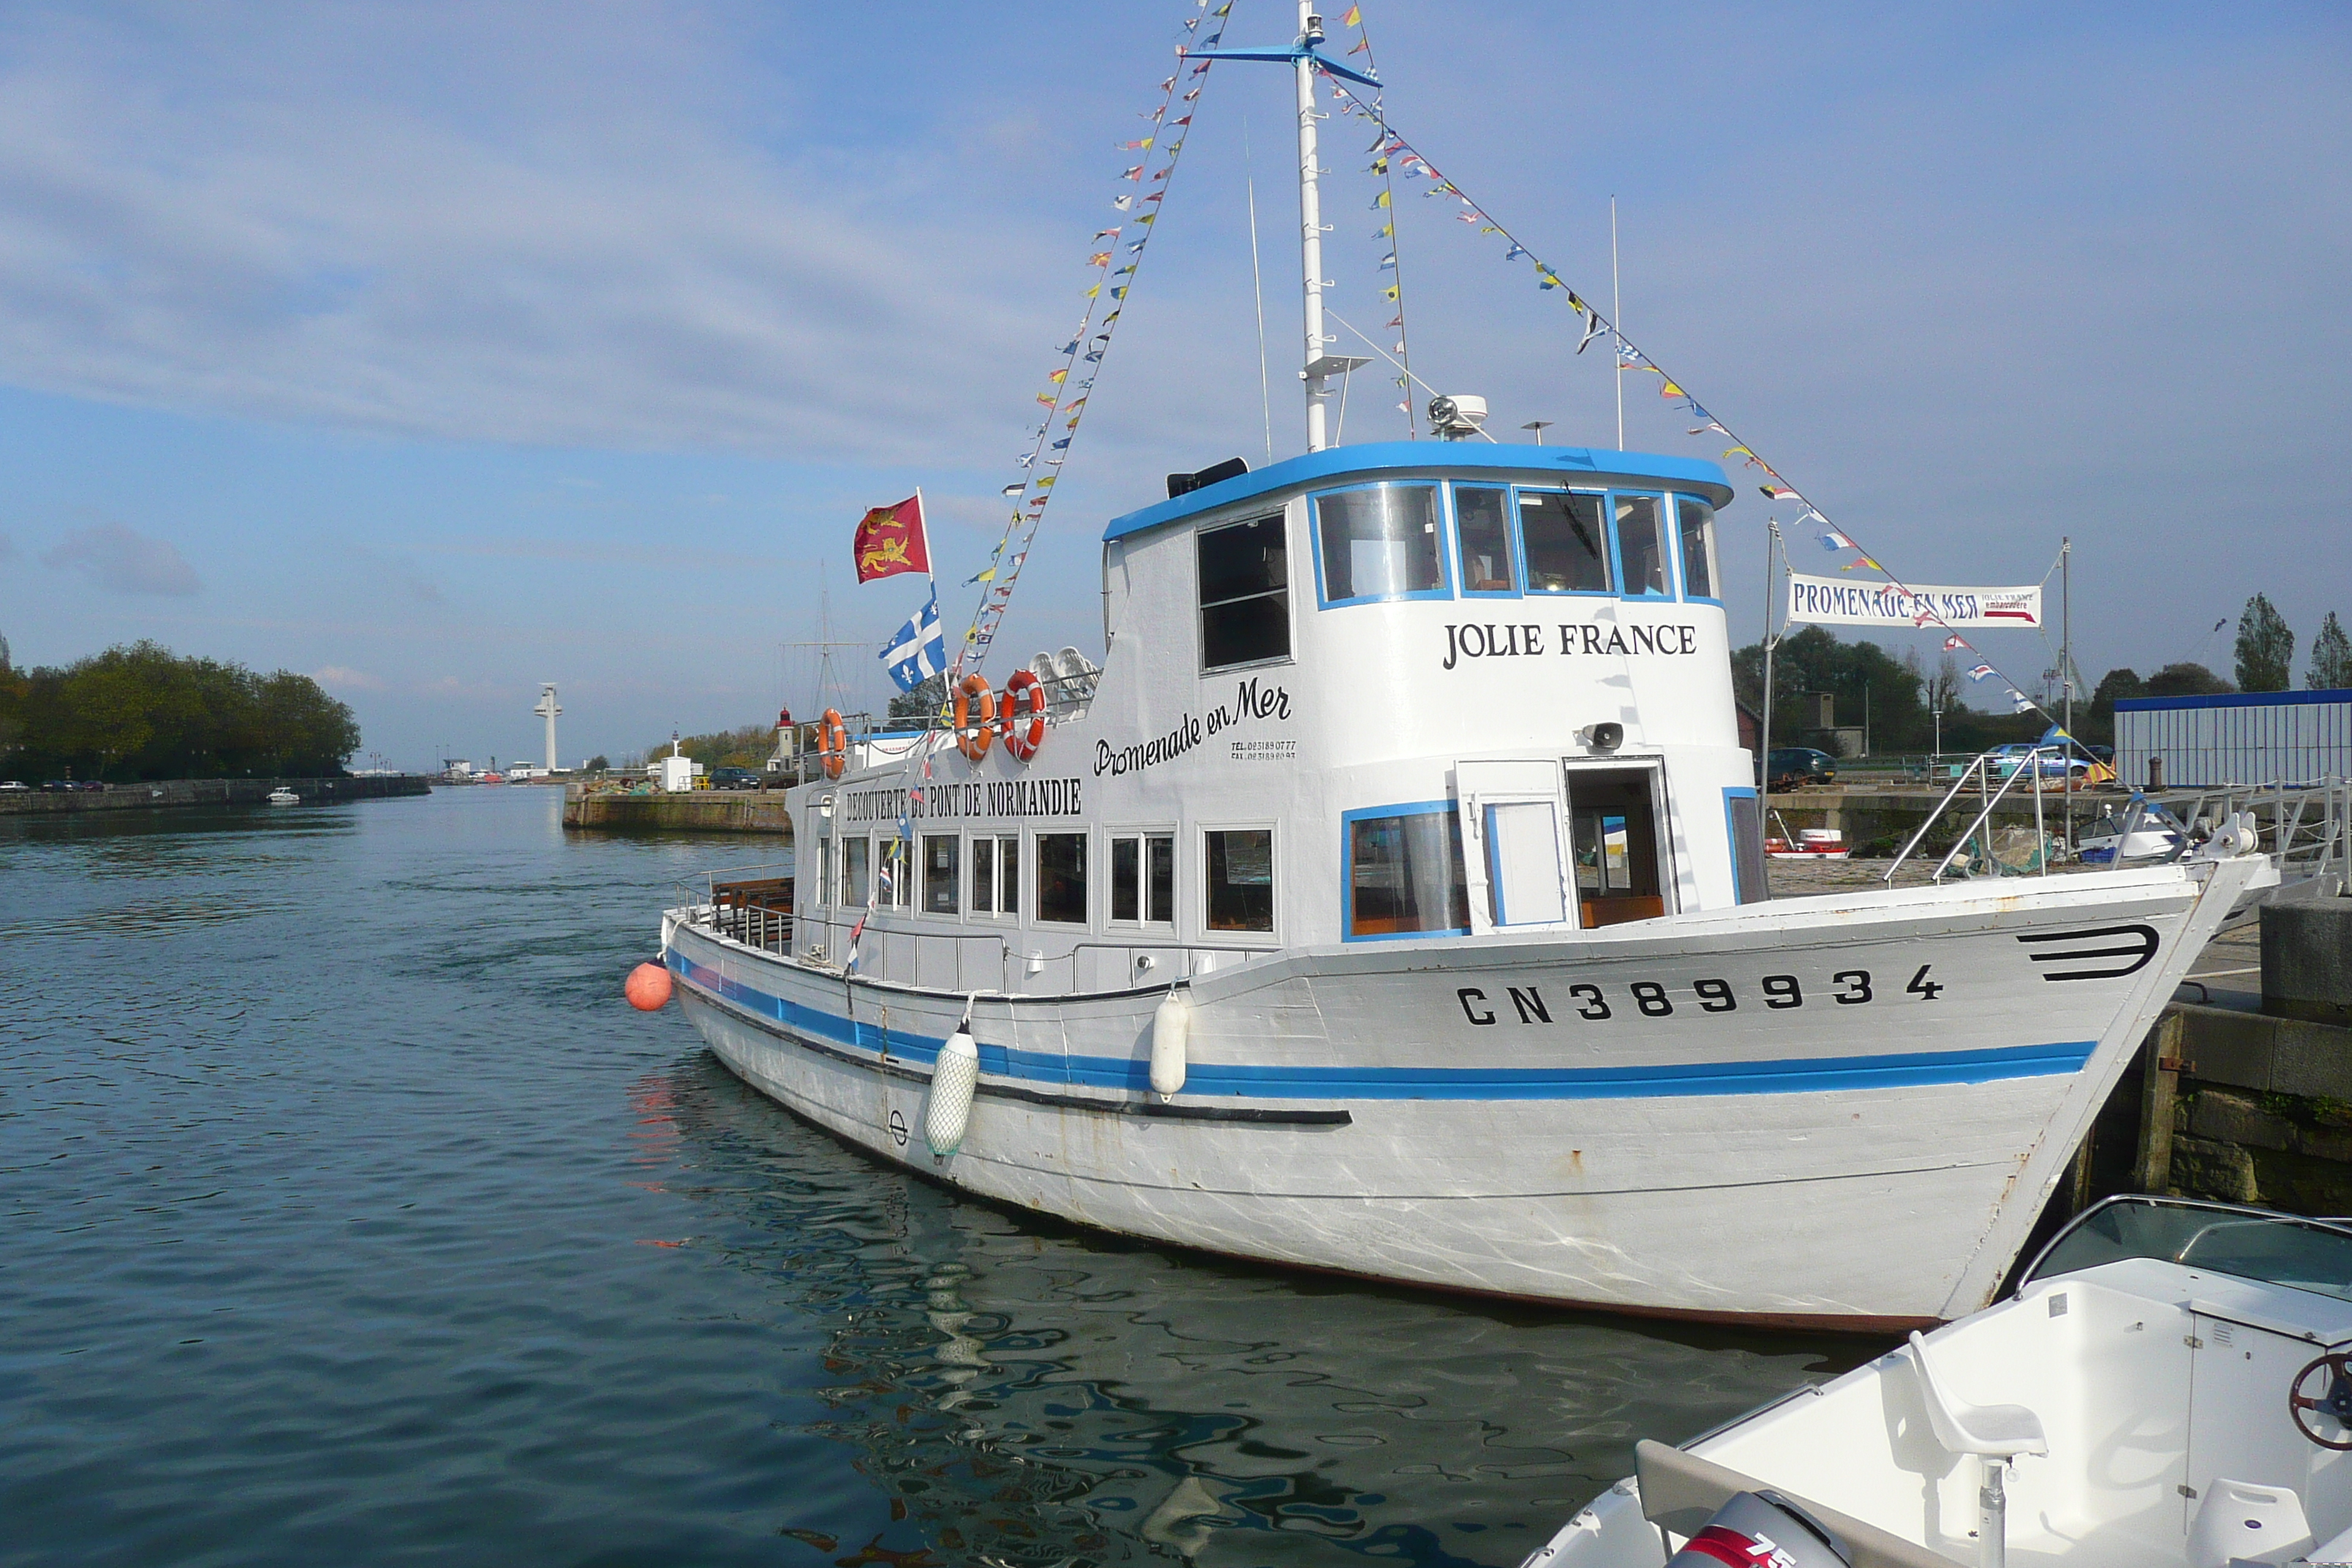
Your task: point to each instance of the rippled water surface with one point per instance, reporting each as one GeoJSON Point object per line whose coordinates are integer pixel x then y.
{"type": "Point", "coordinates": [353, 1217]}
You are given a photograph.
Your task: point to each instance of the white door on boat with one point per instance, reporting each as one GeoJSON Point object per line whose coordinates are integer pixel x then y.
{"type": "Point", "coordinates": [1514, 833]}
{"type": "Point", "coordinates": [2240, 1425]}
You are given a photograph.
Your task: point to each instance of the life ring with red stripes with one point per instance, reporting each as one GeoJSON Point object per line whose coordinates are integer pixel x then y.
{"type": "Point", "coordinates": [1021, 741]}
{"type": "Point", "coordinates": [832, 743]}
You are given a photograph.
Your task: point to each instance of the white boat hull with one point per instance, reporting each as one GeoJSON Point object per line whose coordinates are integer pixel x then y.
{"type": "Point", "coordinates": [1457, 1113]}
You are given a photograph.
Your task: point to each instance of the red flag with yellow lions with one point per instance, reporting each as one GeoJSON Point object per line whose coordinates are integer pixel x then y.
{"type": "Point", "coordinates": [890, 541]}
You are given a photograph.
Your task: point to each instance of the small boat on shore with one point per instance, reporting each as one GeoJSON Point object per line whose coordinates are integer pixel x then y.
{"type": "Point", "coordinates": [2170, 1387]}
{"type": "Point", "coordinates": [1808, 844]}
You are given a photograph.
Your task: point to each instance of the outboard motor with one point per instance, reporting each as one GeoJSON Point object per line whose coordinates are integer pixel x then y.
{"type": "Point", "coordinates": [1762, 1529]}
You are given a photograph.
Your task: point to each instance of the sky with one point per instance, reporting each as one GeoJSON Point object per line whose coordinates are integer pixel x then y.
{"type": "Point", "coordinates": [440, 351]}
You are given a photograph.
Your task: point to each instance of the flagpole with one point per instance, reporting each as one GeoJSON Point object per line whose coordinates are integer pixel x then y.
{"type": "Point", "coordinates": [1617, 314]}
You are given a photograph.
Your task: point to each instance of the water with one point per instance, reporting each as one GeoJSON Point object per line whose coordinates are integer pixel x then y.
{"type": "Point", "coordinates": [351, 1217]}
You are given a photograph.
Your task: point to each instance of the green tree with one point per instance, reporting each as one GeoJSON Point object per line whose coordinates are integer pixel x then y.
{"type": "Point", "coordinates": [2265, 648]}
{"type": "Point", "coordinates": [138, 711]}
{"type": "Point", "coordinates": [2098, 722]}
{"type": "Point", "coordinates": [923, 701]}
{"type": "Point", "coordinates": [2331, 659]}
{"type": "Point", "coordinates": [1861, 677]}
{"type": "Point", "coordinates": [2188, 680]}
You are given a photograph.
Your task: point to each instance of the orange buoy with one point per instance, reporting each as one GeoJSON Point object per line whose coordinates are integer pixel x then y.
{"type": "Point", "coordinates": [649, 987]}
{"type": "Point", "coordinates": [974, 730]}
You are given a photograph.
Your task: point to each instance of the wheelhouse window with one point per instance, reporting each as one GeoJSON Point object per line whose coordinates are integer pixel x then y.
{"type": "Point", "coordinates": [857, 867]}
{"type": "Point", "coordinates": [1640, 547]}
{"type": "Point", "coordinates": [1143, 878]}
{"type": "Point", "coordinates": [1378, 542]}
{"type": "Point", "coordinates": [1062, 877]}
{"type": "Point", "coordinates": [1244, 579]}
{"type": "Point", "coordinates": [1241, 880]}
{"type": "Point", "coordinates": [1405, 873]}
{"type": "Point", "coordinates": [1694, 522]}
{"type": "Point", "coordinates": [1567, 552]}
{"type": "Point", "coordinates": [890, 876]}
{"type": "Point", "coordinates": [821, 882]}
{"type": "Point", "coordinates": [1482, 525]}
{"type": "Point", "coordinates": [941, 874]}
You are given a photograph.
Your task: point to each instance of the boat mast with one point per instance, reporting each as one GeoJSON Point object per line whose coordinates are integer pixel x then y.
{"type": "Point", "coordinates": [1310, 225]}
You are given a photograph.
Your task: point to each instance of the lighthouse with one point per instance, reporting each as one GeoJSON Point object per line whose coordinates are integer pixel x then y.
{"type": "Point", "coordinates": [548, 708]}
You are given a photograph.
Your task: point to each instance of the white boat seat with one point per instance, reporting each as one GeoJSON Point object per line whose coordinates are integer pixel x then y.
{"type": "Point", "coordinates": [1991, 1431]}
{"type": "Point", "coordinates": [2240, 1521]}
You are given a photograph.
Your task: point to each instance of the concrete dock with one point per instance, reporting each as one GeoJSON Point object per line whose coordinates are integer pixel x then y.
{"type": "Point", "coordinates": [590, 809]}
{"type": "Point", "coordinates": [166, 793]}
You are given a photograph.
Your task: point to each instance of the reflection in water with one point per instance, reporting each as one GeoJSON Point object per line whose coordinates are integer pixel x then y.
{"type": "Point", "coordinates": [1024, 1393]}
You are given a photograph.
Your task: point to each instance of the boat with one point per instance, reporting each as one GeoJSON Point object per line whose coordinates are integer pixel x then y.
{"type": "Point", "coordinates": [281, 795]}
{"type": "Point", "coordinates": [1807, 844]}
{"type": "Point", "coordinates": [2169, 1387]}
{"type": "Point", "coordinates": [1388, 901]}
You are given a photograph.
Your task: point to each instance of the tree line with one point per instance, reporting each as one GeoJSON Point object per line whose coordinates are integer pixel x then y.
{"type": "Point", "coordinates": [1902, 696]}
{"type": "Point", "coordinates": [138, 711]}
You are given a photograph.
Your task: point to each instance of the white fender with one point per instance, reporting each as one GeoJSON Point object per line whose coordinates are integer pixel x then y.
{"type": "Point", "coordinates": [953, 1079]}
{"type": "Point", "coordinates": [1171, 1026]}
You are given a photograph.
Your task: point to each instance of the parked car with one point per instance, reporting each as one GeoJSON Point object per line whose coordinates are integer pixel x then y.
{"type": "Point", "coordinates": [57, 786]}
{"type": "Point", "coordinates": [14, 787]}
{"type": "Point", "coordinates": [734, 778]}
{"type": "Point", "coordinates": [91, 786]}
{"type": "Point", "coordinates": [2008, 759]}
{"type": "Point", "coordinates": [1790, 767]}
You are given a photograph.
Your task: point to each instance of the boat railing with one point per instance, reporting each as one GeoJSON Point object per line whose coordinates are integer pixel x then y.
{"type": "Point", "coordinates": [1980, 772]}
{"type": "Point", "coordinates": [959, 959]}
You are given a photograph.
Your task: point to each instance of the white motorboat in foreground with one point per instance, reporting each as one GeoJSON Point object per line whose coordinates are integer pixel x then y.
{"type": "Point", "coordinates": [1390, 901]}
{"type": "Point", "coordinates": [2168, 1388]}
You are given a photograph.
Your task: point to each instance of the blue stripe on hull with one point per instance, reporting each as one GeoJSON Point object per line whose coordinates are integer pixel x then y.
{"type": "Point", "coordinates": [1905, 1070]}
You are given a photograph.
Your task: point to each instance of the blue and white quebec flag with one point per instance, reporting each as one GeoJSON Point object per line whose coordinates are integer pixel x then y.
{"type": "Point", "coordinates": [918, 652]}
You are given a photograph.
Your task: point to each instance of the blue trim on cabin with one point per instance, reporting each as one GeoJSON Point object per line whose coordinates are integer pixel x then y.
{"type": "Point", "coordinates": [1434, 459]}
{"type": "Point", "coordinates": [2234, 699]}
{"type": "Point", "coordinates": [1909, 1069]}
{"type": "Point", "coordinates": [1348, 820]}
{"type": "Point", "coordinates": [1731, 835]}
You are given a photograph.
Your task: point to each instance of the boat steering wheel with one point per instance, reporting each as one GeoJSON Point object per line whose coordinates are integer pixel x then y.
{"type": "Point", "coordinates": [2336, 1403]}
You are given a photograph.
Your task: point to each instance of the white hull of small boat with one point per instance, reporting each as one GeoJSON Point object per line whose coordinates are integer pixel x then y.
{"type": "Point", "coordinates": [1842, 1111]}
{"type": "Point", "coordinates": [284, 797]}
{"type": "Point", "coordinates": [2160, 1394]}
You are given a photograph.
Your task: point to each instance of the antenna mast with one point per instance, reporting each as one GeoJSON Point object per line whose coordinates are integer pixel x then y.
{"type": "Point", "coordinates": [1310, 226]}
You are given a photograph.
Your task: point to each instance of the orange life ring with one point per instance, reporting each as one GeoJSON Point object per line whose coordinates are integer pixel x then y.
{"type": "Point", "coordinates": [832, 743]}
{"type": "Point", "coordinates": [1022, 689]}
{"type": "Point", "coordinates": [972, 737]}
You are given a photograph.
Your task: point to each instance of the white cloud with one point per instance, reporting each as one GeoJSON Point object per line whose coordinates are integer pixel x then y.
{"type": "Point", "coordinates": [345, 680]}
{"type": "Point", "coordinates": [293, 220]}
{"type": "Point", "coordinates": [121, 560]}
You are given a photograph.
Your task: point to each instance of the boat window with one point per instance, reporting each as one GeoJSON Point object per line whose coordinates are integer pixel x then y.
{"type": "Point", "coordinates": [983, 876]}
{"type": "Point", "coordinates": [941, 875]}
{"type": "Point", "coordinates": [1745, 815]}
{"type": "Point", "coordinates": [1008, 874]}
{"type": "Point", "coordinates": [1405, 873]}
{"type": "Point", "coordinates": [1482, 524]}
{"type": "Point", "coordinates": [1143, 878]}
{"type": "Point", "coordinates": [822, 881]}
{"type": "Point", "coordinates": [1378, 542]}
{"type": "Point", "coordinates": [890, 877]}
{"type": "Point", "coordinates": [1641, 550]}
{"type": "Point", "coordinates": [1695, 521]}
{"type": "Point", "coordinates": [856, 860]}
{"type": "Point", "coordinates": [1062, 877]}
{"type": "Point", "coordinates": [2277, 1249]}
{"type": "Point", "coordinates": [1244, 593]}
{"type": "Point", "coordinates": [1241, 880]}
{"type": "Point", "coordinates": [1563, 540]}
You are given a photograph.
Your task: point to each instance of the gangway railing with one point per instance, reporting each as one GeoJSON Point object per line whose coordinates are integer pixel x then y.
{"type": "Point", "coordinates": [1981, 774]}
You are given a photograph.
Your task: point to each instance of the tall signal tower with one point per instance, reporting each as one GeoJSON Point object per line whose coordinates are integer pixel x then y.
{"type": "Point", "coordinates": [548, 708]}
